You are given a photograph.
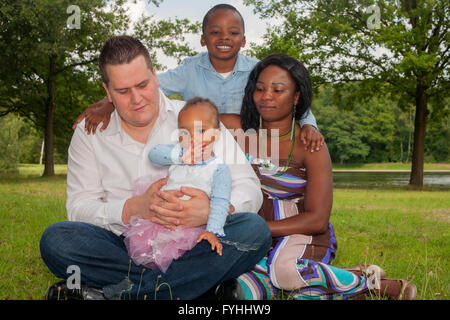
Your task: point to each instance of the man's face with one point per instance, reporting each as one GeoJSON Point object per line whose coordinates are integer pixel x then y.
{"type": "Point", "coordinates": [133, 89]}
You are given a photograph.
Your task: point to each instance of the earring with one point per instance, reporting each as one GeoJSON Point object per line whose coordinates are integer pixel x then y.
{"type": "Point", "coordinates": [293, 125]}
{"type": "Point", "coordinates": [260, 122]}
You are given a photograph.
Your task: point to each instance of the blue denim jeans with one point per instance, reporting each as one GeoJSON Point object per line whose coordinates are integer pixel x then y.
{"type": "Point", "coordinates": [104, 262]}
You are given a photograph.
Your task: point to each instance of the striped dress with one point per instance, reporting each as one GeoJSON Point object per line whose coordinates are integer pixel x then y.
{"type": "Point", "coordinates": [298, 264]}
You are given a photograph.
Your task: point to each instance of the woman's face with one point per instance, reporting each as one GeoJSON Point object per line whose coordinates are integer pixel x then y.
{"type": "Point", "coordinates": [275, 94]}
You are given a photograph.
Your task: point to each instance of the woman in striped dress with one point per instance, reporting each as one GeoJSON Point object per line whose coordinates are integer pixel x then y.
{"type": "Point", "coordinates": [298, 189]}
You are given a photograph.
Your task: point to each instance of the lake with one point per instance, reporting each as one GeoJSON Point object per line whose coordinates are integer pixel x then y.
{"type": "Point", "coordinates": [349, 179]}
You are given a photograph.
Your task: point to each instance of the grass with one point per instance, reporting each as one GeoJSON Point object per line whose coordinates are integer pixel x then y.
{"type": "Point", "coordinates": [405, 232]}
{"type": "Point", "coordinates": [390, 166]}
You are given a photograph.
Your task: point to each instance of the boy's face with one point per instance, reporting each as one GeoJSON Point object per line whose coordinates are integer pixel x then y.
{"type": "Point", "coordinates": [223, 35]}
{"type": "Point", "coordinates": [198, 125]}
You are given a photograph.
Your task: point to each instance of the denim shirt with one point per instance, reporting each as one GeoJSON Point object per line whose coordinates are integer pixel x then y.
{"type": "Point", "coordinates": [197, 77]}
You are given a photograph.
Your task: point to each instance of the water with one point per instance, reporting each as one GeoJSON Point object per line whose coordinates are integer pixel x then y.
{"type": "Point", "coordinates": [432, 180]}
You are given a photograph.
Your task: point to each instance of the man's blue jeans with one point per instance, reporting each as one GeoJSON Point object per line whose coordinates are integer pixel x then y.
{"type": "Point", "coordinates": [104, 262]}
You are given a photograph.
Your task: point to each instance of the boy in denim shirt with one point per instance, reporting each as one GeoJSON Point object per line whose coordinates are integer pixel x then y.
{"type": "Point", "coordinates": [220, 74]}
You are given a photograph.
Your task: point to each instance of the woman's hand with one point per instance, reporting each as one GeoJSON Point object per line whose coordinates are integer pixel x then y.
{"type": "Point", "coordinates": [98, 112]}
{"type": "Point", "coordinates": [311, 138]}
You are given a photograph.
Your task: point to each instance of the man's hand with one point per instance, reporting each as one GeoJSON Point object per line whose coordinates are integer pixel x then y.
{"type": "Point", "coordinates": [98, 112]}
{"type": "Point", "coordinates": [141, 205]}
{"type": "Point", "coordinates": [311, 138]}
{"type": "Point", "coordinates": [175, 212]}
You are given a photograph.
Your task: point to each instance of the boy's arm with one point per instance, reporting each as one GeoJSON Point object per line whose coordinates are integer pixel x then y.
{"type": "Point", "coordinates": [308, 118]}
{"type": "Point", "coordinates": [220, 200]}
{"type": "Point", "coordinates": [94, 115]}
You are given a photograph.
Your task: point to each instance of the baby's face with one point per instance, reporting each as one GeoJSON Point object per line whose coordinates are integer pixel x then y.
{"type": "Point", "coordinates": [197, 125]}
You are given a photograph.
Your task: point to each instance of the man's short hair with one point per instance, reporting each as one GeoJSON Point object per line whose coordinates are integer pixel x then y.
{"type": "Point", "coordinates": [121, 50]}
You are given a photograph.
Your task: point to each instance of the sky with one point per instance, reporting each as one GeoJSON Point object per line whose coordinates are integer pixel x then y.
{"type": "Point", "coordinates": [195, 10]}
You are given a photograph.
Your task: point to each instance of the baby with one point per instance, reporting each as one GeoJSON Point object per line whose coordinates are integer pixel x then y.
{"type": "Point", "coordinates": [192, 164]}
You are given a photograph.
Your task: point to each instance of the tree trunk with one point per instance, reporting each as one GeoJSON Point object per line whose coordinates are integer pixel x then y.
{"type": "Point", "coordinates": [49, 168]}
{"type": "Point", "coordinates": [416, 178]}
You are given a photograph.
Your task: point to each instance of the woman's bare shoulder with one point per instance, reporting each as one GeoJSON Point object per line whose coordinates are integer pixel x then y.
{"type": "Point", "coordinates": [231, 121]}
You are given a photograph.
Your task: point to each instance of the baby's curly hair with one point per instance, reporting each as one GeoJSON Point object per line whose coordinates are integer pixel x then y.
{"type": "Point", "coordinates": [195, 101]}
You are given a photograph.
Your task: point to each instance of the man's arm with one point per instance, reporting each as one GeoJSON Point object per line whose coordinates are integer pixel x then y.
{"type": "Point", "coordinates": [246, 195]}
{"type": "Point", "coordinates": [85, 193]}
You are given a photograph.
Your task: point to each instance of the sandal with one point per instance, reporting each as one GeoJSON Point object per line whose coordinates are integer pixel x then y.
{"type": "Point", "coordinates": [402, 290]}
{"type": "Point", "coordinates": [368, 270]}
{"type": "Point", "coordinates": [408, 291]}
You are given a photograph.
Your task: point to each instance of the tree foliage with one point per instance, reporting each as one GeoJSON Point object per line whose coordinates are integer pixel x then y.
{"type": "Point", "coordinates": [393, 48]}
{"type": "Point", "coordinates": [50, 51]}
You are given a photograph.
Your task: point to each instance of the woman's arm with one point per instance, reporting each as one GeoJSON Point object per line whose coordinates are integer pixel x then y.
{"type": "Point", "coordinates": [318, 198]}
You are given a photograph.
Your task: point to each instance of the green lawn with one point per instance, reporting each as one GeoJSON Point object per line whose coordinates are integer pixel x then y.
{"type": "Point", "coordinates": [405, 232]}
{"type": "Point", "coordinates": [390, 166]}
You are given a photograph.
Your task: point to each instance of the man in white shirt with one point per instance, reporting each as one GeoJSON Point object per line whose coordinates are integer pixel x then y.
{"type": "Point", "coordinates": [102, 169]}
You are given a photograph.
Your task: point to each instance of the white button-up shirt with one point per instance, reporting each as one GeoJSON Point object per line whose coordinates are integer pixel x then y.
{"type": "Point", "coordinates": [103, 167]}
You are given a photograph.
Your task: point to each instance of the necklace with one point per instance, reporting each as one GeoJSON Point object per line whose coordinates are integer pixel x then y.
{"type": "Point", "coordinates": [291, 151]}
{"type": "Point", "coordinates": [280, 136]}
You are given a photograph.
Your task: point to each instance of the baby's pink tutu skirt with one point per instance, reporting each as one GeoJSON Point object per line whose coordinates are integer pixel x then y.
{"type": "Point", "coordinates": [150, 244]}
{"type": "Point", "coordinates": [154, 246]}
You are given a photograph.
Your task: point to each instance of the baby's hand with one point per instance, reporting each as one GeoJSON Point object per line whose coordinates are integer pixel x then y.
{"type": "Point", "coordinates": [200, 152]}
{"type": "Point", "coordinates": [192, 155]}
{"type": "Point", "coordinates": [211, 238]}
{"type": "Point", "coordinates": [311, 138]}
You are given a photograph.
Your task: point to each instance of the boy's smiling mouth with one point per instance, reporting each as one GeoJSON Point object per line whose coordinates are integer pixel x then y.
{"type": "Point", "coordinates": [224, 48]}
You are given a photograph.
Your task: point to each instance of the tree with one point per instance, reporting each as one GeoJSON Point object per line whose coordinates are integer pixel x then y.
{"type": "Point", "coordinates": [394, 48]}
{"type": "Point", "coordinates": [51, 49]}
{"type": "Point", "coordinates": [9, 143]}
{"type": "Point", "coordinates": [342, 128]}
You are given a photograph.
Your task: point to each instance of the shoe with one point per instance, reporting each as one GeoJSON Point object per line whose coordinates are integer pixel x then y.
{"type": "Point", "coordinates": [60, 291]}
{"type": "Point", "coordinates": [408, 291]}
{"type": "Point", "coordinates": [227, 290]}
{"type": "Point", "coordinates": [368, 270]}
{"type": "Point", "coordinates": [402, 290]}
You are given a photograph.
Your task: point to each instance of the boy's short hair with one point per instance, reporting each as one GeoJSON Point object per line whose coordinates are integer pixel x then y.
{"type": "Point", "coordinates": [120, 50]}
{"type": "Point", "coordinates": [223, 6]}
{"type": "Point", "coordinates": [203, 101]}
